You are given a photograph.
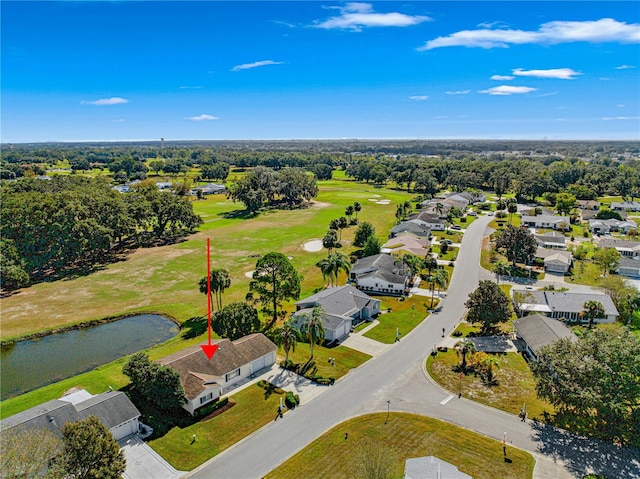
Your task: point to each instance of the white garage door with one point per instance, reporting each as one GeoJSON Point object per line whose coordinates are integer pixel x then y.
{"type": "Point", "coordinates": [258, 364]}
{"type": "Point", "coordinates": [125, 429]}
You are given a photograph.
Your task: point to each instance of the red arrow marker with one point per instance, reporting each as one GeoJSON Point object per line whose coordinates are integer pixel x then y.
{"type": "Point", "coordinates": [209, 349]}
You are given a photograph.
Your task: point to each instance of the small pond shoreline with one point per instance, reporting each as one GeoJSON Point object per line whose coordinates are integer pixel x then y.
{"type": "Point", "coordinates": [82, 325]}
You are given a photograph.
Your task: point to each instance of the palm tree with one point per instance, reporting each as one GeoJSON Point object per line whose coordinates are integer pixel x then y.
{"type": "Point", "coordinates": [349, 211]}
{"type": "Point", "coordinates": [414, 263]}
{"type": "Point", "coordinates": [441, 278]}
{"type": "Point", "coordinates": [512, 208]}
{"type": "Point", "coordinates": [463, 348]}
{"type": "Point", "coordinates": [342, 224]}
{"type": "Point", "coordinates": [357, 207]}
{"type": "Point", "coordinates": [591, 310]}
{"type": "Point", "coordinates": [332, 265]}
{"type": "Point", "coordinates": [429, 263]}
{"type": "Point", "coordinates": [312, 327]}
{"type": "Point", "coordinates": [439, 208]}
{"type": "Point", "coordinates": [287, 336]}
{"type": "Point", "coordinates": [430, 279]}
{"type": "Point", "coordinates": [220, 280]}
{"type": "Point", "coordinates": [203, 289]}
{"type": "Point", "coordinates": [488, 363]}
{"type": "Point", "coordinates": [500, 269]}
{"type": "Point", "coordinates": [330, 241]}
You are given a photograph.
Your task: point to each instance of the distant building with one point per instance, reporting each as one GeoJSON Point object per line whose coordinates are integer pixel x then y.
{"type": "Point", "coordinates": [380, 274]}
{"type": "Point", "coordinates": [538, 331]}
{"type": "Point", "coordinates": [629, 249]}
{"type": "Point", "coordinates": [556, 261]}
{"type": "Point", "coordinates": [552, 239]}
{"type": "Point", "coordinates": [626, 206]}
{"type": "Point", "coordinates": [546, 221]}
{"type": "Point", "coordinates": [606, 226]}
{"type": "Point", "coordinates": [564, 305]}
{"type": "Point", "coordinates": [629, 267]}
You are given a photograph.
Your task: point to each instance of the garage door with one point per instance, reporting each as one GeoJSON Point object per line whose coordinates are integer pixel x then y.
{"type": "Point", "coordinates": [126, 429]}
{"type": "Point", "coordinates": [258, 364]}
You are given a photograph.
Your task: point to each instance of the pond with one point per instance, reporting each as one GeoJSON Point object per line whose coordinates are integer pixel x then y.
{"type": "Point", "coordinates": [31, 364]}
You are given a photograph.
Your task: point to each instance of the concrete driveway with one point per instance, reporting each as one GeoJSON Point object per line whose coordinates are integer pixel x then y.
{"type": "Point", "coordinates": [144, 463]}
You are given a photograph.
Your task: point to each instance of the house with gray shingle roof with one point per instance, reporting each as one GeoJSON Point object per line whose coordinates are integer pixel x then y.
{"type": "Point", "coordinates": [556, 261]}
{"type": "Point", "coordinates": [546, 221]}
{"type": "Point", "coordinates": [630, 249]}
{"type": "Point", "coordinates": [565, 305]}
{"type": "Point", "coordinates": [343, 307]}
{"type": "Point", "coordinates": [538, 331]}
{"type": "Point", "coordinates": [629, 267]}
{"type": "Point", "coordinates": [380, 274]}
{"type": "Point", "coordinates": [626, 206]}
{"type": "Point", "coordinates": [205, 380]}
{"type": "Point", "coordinates": [114, 409]}
{"type": "Point", "coordinates": [551, 239]}
{"type": "Point", "coordinates": [415, 227]}
{"type": "Point", "coordinates": [606, 226]}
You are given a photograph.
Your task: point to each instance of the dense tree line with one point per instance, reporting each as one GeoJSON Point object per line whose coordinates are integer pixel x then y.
{"type": "Point", "coordinates": [74, 221]}
{"type": "Point", "coordinates": [263, 186]}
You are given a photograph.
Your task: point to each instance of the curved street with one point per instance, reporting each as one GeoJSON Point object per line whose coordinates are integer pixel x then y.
{"type": "Point", "coordinates": [397, 375]}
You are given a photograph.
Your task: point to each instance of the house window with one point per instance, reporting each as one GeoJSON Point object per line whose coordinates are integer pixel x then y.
{"type": "Point", "coordinates": [233, 374]}
{"type": "Point", "coordinates": [206, 398]}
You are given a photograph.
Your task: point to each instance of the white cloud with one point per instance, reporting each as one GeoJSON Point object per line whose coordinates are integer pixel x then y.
{"type": "Point", "coordinates": [356, 16]}
{"type": "Point", "coordinates": [202, 118]}
{"type": "Point", "coordinates": [625, 67]}
{"type": "Point", "coordinates": [598, 31]}
{"type": "Point", "coordinates": [621, 118]}
{"type": "Point", "coordinates": [502, 77]}
{"type": "Point", "coordinates": [106, 101]}
{"type": "Point", "coordinates": [247, 66]}
{"type": "Point", "coordinates": [508, 90]}
{"type": "Point", "coordinates": [558, 73]}
{"type": "Point", "coordinates": [419, 97]}
{"type": "Point", "coordinates": [458, 92]}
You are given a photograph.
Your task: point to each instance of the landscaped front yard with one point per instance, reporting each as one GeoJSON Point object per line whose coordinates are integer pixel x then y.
{"type": "Point", "coordinates": [405, 315]}
{"type": "Point", "coordinates": [515, 383]}
{"type": "Point", "coordinates": [403, 436]}
{"type": "Point", "coordinates": [254, 408]}
{"type": "Point", "coordinates": [345, 358]}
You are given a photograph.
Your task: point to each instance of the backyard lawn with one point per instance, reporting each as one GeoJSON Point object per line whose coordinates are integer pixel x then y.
{"type": "Point", "coordinates": [403, 436]}
{"type": "Point", "coordinates": [405, 315]}
{"type": "Point", "coordinates": [515, 383]}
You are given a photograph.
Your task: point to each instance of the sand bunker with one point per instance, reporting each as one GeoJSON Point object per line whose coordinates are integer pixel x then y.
{"type": "Point", "coordinates": [313, 246]}
{"type": "Point", "coordinates": [373, 199]}
{"type": "Point", "coordinates": [383, 202]}
{"type": "Point", "coordinates": [249, 274]}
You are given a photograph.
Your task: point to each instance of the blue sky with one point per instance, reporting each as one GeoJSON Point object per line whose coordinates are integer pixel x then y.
{"type": "Point", "coordinates": [123, 70]}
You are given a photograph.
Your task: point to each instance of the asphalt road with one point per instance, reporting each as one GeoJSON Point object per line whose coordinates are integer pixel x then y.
{"type": "Point", "coordinates": [397, 375]}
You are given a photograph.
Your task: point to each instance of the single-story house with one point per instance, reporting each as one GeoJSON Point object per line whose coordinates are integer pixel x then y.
{"type": "Point", "coordinates": [551, 239]}
{"type": "Point", "coordinates": [592, 205]}
{"type": "Point", "coordinates": [114, 409]}
{"type": "Point", "coordinates": [164, 185]}
{"type": "Point", "coordinates": [629, 249]}
{"type": "Point", "coordinates": [538, 331]}
{"type": "Point", "coordinates": [205, 380]}
{"type": "Point", "coordinates": [208, 189]}
{"type": "Point", "coordinates": [546, 221]}
{"type": "Point", "coordinates": [380, 274]}
{"type": "Point", "coordinates": [474, 196]}
{"type": "Point", "coordinates": [431, 219]}
{"type": "Point", "coordinates": [606, 226]}
{"type": "Point", "coordinates": [564, 305]}
{"type": "Point", "coordinates": [406, 243]}
{"type": "Point", "coordinates": [556, 261]}
{"type": "Point", "coordinates": [586, 215]}
{"type": "Point", "coordinates": [343, 306]}
{"type": "Point", "coordinates": [430, 467]}
{"type": "Point", "coordinates": [629, 267]}
{"type": "Point", "coordinates": [626, 206]}
{"type": "Point", "coordinates": [416, 227]}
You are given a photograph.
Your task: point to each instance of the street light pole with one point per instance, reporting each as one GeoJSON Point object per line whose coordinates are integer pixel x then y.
{"type": "Point", "coordinates": [388, 410]}
{"type": "Point", "coordinates": [460, 389]}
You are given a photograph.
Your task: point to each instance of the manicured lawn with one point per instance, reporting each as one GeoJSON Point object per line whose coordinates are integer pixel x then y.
{"type": "Point", "coordinates": [403, 436]}
{"type": "Point", "coordinates": [464, 224]}
{"type": "Point", "coordinates": [405, 315]}
{"type": "Point", "coordinates": [252, 411]}
{"type": "Point", "coordinates": [502, 223]}
{"type": "Point", "coordinates": [346, 358]}
{"type": "Point", "coordinates": [585, 272]}
{"type": "Point", "coordinates": [453, 235]}
{"type": "Point", "coordinates": [449, 255]}
{"type": "Point", "coordinates": [516, 384]}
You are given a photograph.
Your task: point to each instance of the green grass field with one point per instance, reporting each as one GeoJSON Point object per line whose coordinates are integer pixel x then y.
{"type": "Point", "coordinates": [164, 279]}
{"type": "Point", "coordinates": [345, 358]}
{"type": "Point", "coordinates": [403, 436]}
{"type": "Point", "coordinates": [405, 315]}
{"type": "Point", "coordinates": [515, 383]}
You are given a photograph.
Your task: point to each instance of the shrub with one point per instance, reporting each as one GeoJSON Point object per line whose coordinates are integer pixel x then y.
{"type": "Point", "coordinates": [290, 400]}
{"type": "Point", "coordinates": [463, 219]}
{"type": "Point", "coordinates": [209, 408]}
{"type": "Point", "coordinates": [456, 334]}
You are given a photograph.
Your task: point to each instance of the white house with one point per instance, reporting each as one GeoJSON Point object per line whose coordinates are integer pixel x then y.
{"type": "Point", "coordinates": [564, 305]}
{"type": "Point", "coordinates": [343, 306]}
{"type": "Point", "coordinates": [629, 267]}
{"type": "Point", "coordinates": [114, 409]}
{"type": "Point", "coordinates": [629, 249]}
{"type": "Point", "coordinates": [606, 226]}
{"type": "Point", "coordinates": [380, 274]}
{"type": "Point", "coordinates": [406, 243]}
{"type": "Point", "coordinates": [626, 206]}
{"type": "Point", "coordinates": [538, 331]}
{"type": "Point", "coordinates": [556, 261]}
{"type": "Point", "coordinates": [546, 221]}
{"type": "Point", "coordinates": [551, 239]}
{"type": "Point", "coordinates": [205, 380]}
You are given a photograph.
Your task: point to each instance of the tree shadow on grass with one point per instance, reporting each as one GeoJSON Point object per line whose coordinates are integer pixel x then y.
{"type": "Point", "coordinates": [239, 214]}
{"type": "Point", "coordinates": [194, 327]}
{"type": "Point", "coordinates": [586, 455]}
